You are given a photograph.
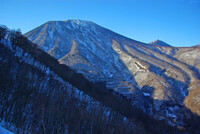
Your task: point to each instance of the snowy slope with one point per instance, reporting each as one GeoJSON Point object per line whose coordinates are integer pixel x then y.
{"type": "Point", "coordinates": [188, 55]}
{"type": "Point", "coordinates": [4, 131]}
{"type": "Point", "coordinates": [159, 43]}
{"type": "Point", "coordinates": [22, 71]}
{"type": "Point", "coordinates": [130, 67]}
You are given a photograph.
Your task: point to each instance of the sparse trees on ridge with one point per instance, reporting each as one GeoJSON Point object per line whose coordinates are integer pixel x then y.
{"type": "Point", "coordinates": [34, 102]}
{"type": "Point", "coordinates": [3, 31]}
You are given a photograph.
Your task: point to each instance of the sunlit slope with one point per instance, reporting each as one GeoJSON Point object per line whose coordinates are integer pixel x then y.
{"type": "Point", "coordinates": [133, 69]}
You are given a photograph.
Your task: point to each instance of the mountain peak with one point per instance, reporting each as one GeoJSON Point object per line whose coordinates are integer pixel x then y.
{"type": "Point", "coordinates": [198, 45]}
{"type": "Point", "coordinates": [71, 24]}
{"type": "Point", "coordinates": [77, 21]}
{"type": "Point", "coordinates": [158, 42]}
{"type": "Point", "coordinates": [130, 68]}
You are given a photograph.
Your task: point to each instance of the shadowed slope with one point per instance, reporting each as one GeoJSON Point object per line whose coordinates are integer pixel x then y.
{"type": "Point", "coordinates": [125, 65]}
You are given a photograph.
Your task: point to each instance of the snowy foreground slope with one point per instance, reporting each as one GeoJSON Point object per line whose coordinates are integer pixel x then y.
{"type": "Point", "coordinates": [40, 95]}
{"type": "Point", "coordinates": [4, 131]}
{"type": "Point", "coordinates": [155, 82]}
{"type": "Point", "coordinates": [34, 99]}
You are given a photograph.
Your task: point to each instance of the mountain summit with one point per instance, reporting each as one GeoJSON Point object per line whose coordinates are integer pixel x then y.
{"type": "Point", "coordinates": [159, 43]}
{"type": "Point", "coordinates": [198, 45]}
{"type": "Point", "coordinates": [149, 79]}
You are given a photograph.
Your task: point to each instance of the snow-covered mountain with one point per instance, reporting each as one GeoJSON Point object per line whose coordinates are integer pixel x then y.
{"type": "Point", "coordinates": [153, 81]}
{"type": "Point", "coordinates": [4, 131]}
{"type": "Point", "coordinates": [40, 95]}
{"type": "Point", "coordinates": [126, 79]}
{"type": "Point", "coordinates": [36, 98]}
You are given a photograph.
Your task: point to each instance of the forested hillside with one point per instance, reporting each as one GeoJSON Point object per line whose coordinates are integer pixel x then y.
{"type": "Point", "coordinates": [33, 99]}
{"type": "Point", "coordinates": [40, 95]}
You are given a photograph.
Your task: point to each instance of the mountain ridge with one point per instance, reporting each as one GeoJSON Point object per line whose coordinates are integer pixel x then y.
{"type": "Point", "coordinates": [198, 45]}
{"type": "Point", "coordinates": [159, 43]}
{"type": "Point", "coordinates": [53, 88]}
{"type": "Point", "coordinates": [131, 68]}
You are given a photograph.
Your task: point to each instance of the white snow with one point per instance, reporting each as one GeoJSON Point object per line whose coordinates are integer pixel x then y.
{"type": "Point", "coordinates": [92, 42]}
{"type": "Point", "coordinates": [24, 57]}
{"type": "Point", "coordinates": [67, 26]}
{"type": "Point", "coordinates": [146, 94]}
{"type": "Point", "coordinates": [183, 92]}
{"type": "Point", "coordinates": [6, 43]}
{"type": "Point", "coordinates": [170, 114]}
{"type": "Point", "coordinates": [59, 28]}
{"type": "Point", "coordinates": [51, 34]}
{"type": "Point", "coordinates": [4, 131]}
{"type": "Point", "coordinates": [140, 66]}
{"type": "Point", "coordinates": [77, 22]}
{"type": "Point", "coordinates": [73, 25]}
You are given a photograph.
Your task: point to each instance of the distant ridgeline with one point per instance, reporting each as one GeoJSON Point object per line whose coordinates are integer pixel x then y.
{"type": "Point", "coordinates": [39, 95]}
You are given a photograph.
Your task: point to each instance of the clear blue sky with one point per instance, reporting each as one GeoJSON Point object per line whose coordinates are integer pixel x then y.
{"type": "Point", "coordinates": [176, 22]}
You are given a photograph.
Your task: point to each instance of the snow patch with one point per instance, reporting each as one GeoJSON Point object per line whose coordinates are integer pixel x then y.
{"type": "Point", "coordinates": [170, 114]}
{"type": "Point", "coordinates": [140, 66]}
{"type": "Point", "coordinates": [73, 25]}
{"type": "Point", "coordinates": [146, 94]}
{"type": "Point", "coordinates": [51, 34]}
{"type": "Point", "coordinates": [4, 131]}
{"type": "Point", "coordinates": [7, 43]}
{"type": "Point", "coordinates": [183, 92]}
